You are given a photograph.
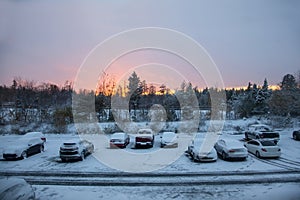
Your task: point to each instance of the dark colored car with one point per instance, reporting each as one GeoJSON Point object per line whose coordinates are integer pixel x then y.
{"type": "Point", "coordinates": [262, 132]}
{"type": "Point", "coordinates": [75, 149]}
{"type": "Point", "coordinates": [144, 138]}
{"type": "Point", "coordinates": [296, 135]}
{"type": "Point", "coordinates": [24, 147]}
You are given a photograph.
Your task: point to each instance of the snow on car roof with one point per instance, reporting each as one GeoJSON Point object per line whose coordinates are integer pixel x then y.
{"type": "Point", "coordinates": [233, 143]}
{"type": "Point", "coordinates": [118, 135]}
{"type": "Point", "coordinates": [30, 134]}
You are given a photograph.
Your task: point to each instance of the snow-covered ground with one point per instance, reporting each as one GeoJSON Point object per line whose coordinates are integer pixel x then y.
{"type": "Point", "coordinates": [49, 161]}
{"type": "Point", "coordinates": [278, 191]}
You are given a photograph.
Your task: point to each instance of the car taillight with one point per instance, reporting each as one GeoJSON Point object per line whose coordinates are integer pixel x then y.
{"type": "Point", "coordinates": [231, 150]}
{"type": "Point", "coordinates": [263, 149]}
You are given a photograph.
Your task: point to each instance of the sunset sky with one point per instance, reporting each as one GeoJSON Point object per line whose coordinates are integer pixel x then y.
{"type": "Point", "coordinates": [47, 41]}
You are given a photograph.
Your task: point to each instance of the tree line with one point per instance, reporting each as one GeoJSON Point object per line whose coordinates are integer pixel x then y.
{"type": "Point", "coordinates": [25, 101]}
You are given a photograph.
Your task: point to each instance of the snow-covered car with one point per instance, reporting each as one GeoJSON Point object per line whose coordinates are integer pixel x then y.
{"type": "Point", "coordinates": [75, 149]}
{"type": "Point", "coordinates": [261, 132]}
{"type": "Point", "coordinates": [197, 154]}
{"type": "Point", "coordinates": [23, 147]}
{"type": "Point", "coordinates": [263, 148]}
{"type": "Point", "coordinates": [231, 149]}
{"type": "Point", "coordinates": [296, 135]}
{"type": "Point", "coordinates": [119, 139]}
{"type": "Point", "coordinates": [15, 188]}
{"type": "Point", "coordinates": [144, 138]}
{"type": "Point", "coordinates": [168, 139]}
{"type": "Point", "coordinates": [36, 134]}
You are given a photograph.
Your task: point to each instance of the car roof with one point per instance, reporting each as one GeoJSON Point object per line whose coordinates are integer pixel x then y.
{"type": "Point", "coordinates": [145, 130]}
{"type": "Point", "coordinates": [168, 133]}
{"type": "Point", "coordinates": [118, 134]}
{"type": "Point", "coordinates": [232, 142]}
{"type": "Point", "coordinates": [260, 125]}
{"type": "Point", "coordinates": [33, 134]}
{"type": "Point", "coordinates": [73, 141]}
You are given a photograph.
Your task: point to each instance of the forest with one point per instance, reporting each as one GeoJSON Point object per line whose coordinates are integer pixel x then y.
{"type": "Point", "coordinates": [26, 102]}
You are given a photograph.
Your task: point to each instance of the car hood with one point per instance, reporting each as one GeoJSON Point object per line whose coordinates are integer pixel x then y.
{"type": "Point", "coordinates": [168, 139]}
{"type": "Point", "coordinates": [15, 148]}
{"type": "Point", "coordinates": [211, 153]}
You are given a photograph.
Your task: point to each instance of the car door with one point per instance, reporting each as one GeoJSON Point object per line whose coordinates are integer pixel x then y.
{"type": "Point", "coordinates": [256, 146]}
{"type": "Point", "coordinates": [219, 146]}
{"type": "Point", "coordinates": [32, 147]}
{"type": "Point", "coordinates": [250, 146]}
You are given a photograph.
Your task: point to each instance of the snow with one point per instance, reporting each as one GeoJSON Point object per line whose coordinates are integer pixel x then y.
{"type": "Point", "coordinates": [15, 188]}
{"type": "Point", "coordinates": [105, 159]}
{"type": "Point", "coordinates": [287, 191]}
{"type": "Point", "coordinates": [49, 160]}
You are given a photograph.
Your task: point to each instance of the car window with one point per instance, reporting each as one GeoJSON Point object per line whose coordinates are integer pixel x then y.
{"type": "Point", "coordinates": [268, 143]}
{"type": "Point", "coordinates": [251, 142]}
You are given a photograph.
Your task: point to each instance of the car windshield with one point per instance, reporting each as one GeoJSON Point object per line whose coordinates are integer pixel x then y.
{"type": "Point", "coordinates": [70, 143]}
{"type": "Point", "coordinates": [144, 131]}
{"type": "Point", "coordinates": [118, 136]}
{"type": "Point", "coordinates": [168, 135]}
{"type": "Point", "coordinates": [268, 143]}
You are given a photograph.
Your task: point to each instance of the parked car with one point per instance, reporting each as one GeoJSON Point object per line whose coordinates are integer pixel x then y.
{"type": "Point", "coordinates": [296, 135]}
{"type": "Point", "coordinates": [119, 139]}
{"type": "Point", "coordinates": [263, 148]}
{"type": "Point", "coordinates": [262, 132]}
{"type": "Point", "coordinates": [24, 147]}
{"type": "Point", "coordinates": [12, 188]}
{"type": "Point", "coordinates": [168, 139]}
{"type": "Point", "coordinates": [231, 149]}
{"type": "Point", "coordinates": [75, 149]}
{"type": "Point", "coordinates": [36, 134]}
{"type": "Point", "coordinates": [144, 138]}
{"type": "Point", "coordinates": [194, 149]}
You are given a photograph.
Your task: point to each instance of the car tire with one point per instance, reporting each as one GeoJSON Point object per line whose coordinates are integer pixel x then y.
{"type": "Point", "coordinates": [24, 155]}
{"type": "Point", "coordinates": [295, 136]}
{"type": "Point", "coordinates": [42, 148]}
{"type": "Point", "coordinates": [63, 160]}
{"type": "Point", "coordinates": [224, 157]}
{"type": "Point", "coordinates": [246, 136]}
{"type": "Point", "coordinates": [82, 156]}
{"type": "Point", "coordinates": [257, 154]}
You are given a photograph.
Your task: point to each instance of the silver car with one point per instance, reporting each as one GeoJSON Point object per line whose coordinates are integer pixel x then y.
{"type": "Point", "coordinates": [75, 149]}
{"type": "Point", "coordinates": [169, 139]}
{"type": "Point", "coordinates": [198, 154]}
{"type": "Point", "coordinates": [231, 149]}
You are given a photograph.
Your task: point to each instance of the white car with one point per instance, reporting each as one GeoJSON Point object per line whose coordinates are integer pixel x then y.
{"type": "Point", "coordinates": [119, 139]}
{"type": "Point", "coordinates": [197, 154]}
{"type": "Point", "coordinates": [23, 147]}
{"type": "Point", "coordinates": [231, 149]}
{"type": "Point", "coordinates": [35, 134]}
{"type": "Point", "coordinates": [263, 148]}
{"type": "Point", "coordinates": [168, 139]}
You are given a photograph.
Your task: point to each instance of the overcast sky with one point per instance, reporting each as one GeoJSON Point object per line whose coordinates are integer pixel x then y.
{"type": "Point", "coordinates": [248, 40]}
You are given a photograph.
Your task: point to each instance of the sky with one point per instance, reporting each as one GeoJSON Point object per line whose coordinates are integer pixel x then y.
{"type": "Point", "coordinates": [47, 41]}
